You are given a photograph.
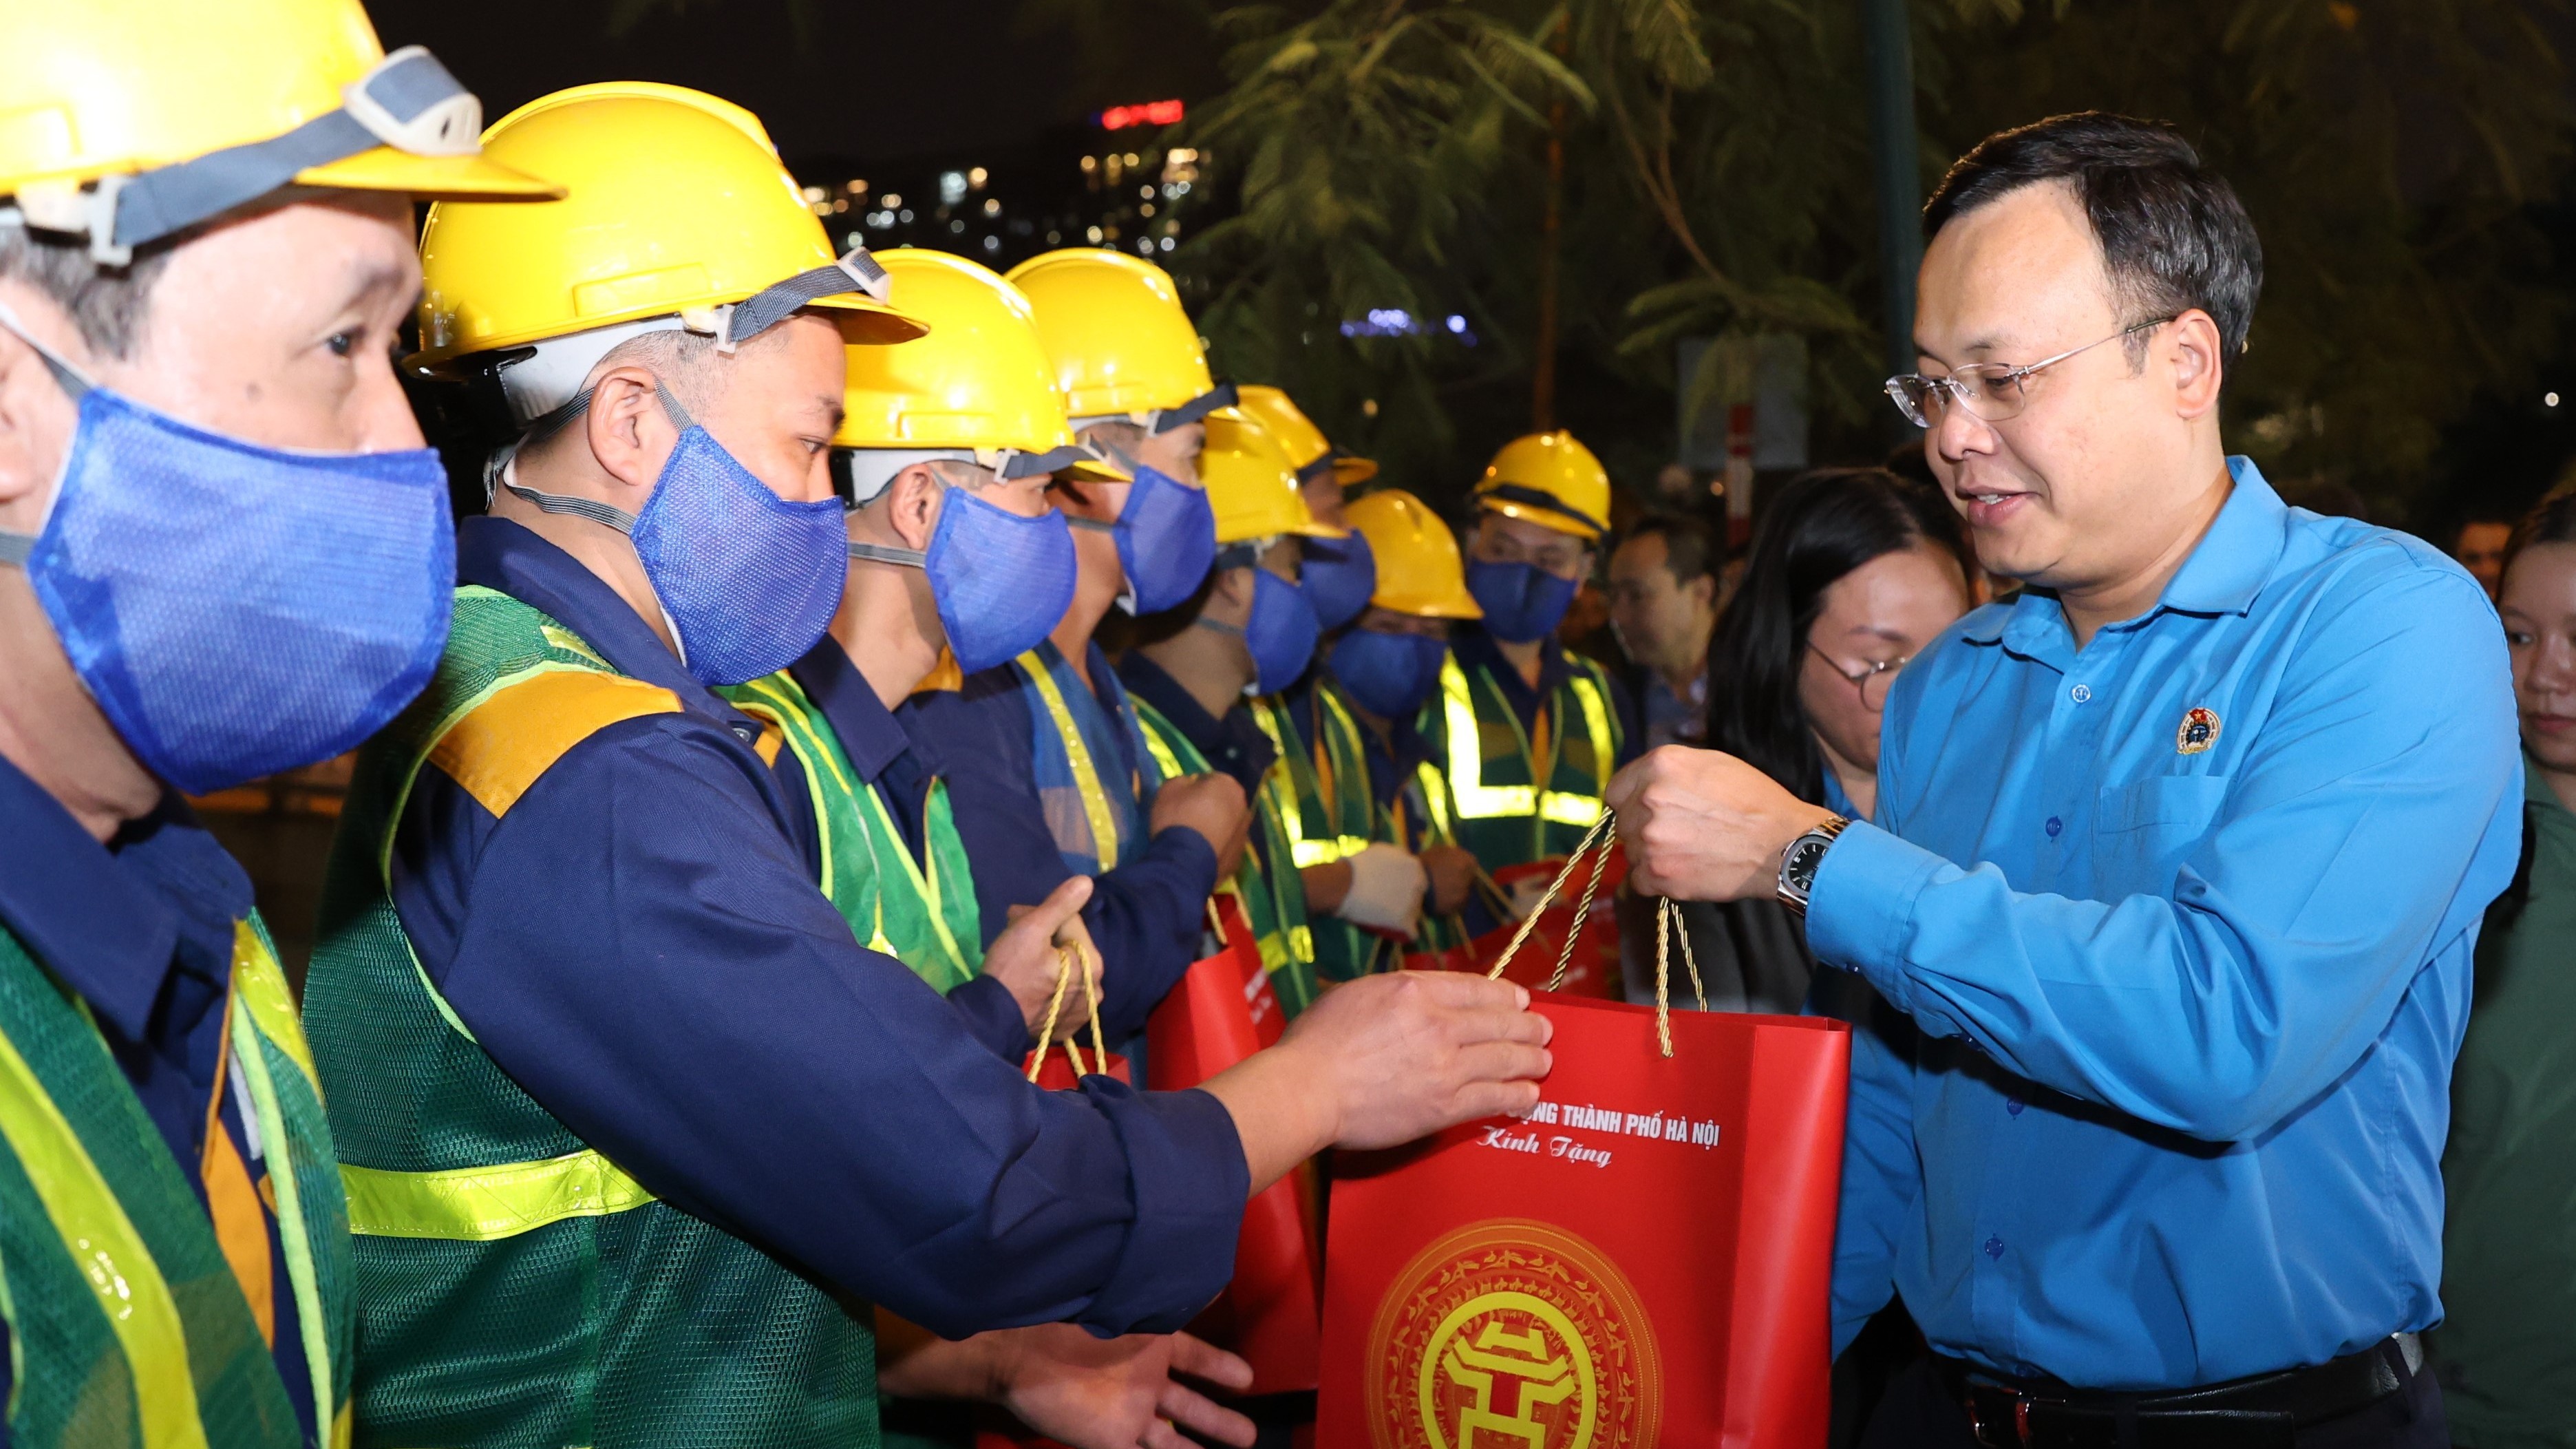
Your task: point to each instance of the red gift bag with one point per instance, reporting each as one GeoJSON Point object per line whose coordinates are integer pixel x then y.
{"type": "Point", "coordinates": [1221, 1012]}
{"type": "Point", "coordinates": [1591, 970]}
{"type": "Point", "coordinates": [1643, 1261]}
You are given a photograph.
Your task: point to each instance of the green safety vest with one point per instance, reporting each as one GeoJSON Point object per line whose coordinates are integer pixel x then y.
{"type": "Point", "coordinates": [1274, 899]}
{"type": "Point", "coordinates": [126, 1324]}
{"type": "Point", "coordinates": [1327, 811]}
{"type": "Point", "coordinates": [519, 1288]}
{"type": "Point", "coordinates": [924, 917]}
{"type": "Point", "coordinates": [1504, 806]}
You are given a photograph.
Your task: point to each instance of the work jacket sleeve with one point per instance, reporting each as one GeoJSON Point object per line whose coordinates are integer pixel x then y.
{"type": "Point", "coordinates": [1144, 915]}
{"type": "Point", "coordinates": [638, 946]}
{"type": "Point", "coordinates": [2352, 842]}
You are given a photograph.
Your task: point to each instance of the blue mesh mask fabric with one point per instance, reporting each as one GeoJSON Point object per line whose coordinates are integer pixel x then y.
{"type": "Point", "coordinates": [1166, 542]}
{"type": "Point", "coordinates": [1338, 576]}
{"type": "Point", "coordinates": [1522, 602]}
{"type": "Point", "coordinates": [1389, 675]}
{"type": "Point", "coordinates": [238, 610]}
{"type": "Point", "coordinates": [1281, 633]}
{"type": "Point", "coordinates": [749, 579]}
{"type": "Point", "coordinates": [1001, 582]}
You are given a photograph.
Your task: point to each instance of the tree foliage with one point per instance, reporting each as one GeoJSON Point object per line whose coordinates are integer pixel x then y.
{"type": "Point", "coordinates": [1387, 156]}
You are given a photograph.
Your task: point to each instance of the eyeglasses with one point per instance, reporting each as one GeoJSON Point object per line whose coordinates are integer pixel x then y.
{"type": "Point", "coordinates": [1990, 391]}
{"type": "Point", "coordinates": [1873, 682]}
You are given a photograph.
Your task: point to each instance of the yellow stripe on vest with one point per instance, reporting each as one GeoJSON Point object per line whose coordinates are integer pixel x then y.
{"type": "Point", "coordinates": [1086, 776]}
{"type": "Point", "coordinates": [89, 1219]}
{"type": "Point", "coordinates": [482, 1204]}
{"type": "Point", "coordinates": [500, 748]}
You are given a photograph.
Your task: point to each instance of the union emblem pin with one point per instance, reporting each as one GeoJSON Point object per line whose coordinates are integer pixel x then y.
{"type": "Point", "coordinates": [2198, 732]}
{"type": "Point", "coordinates": [1512, 1332]}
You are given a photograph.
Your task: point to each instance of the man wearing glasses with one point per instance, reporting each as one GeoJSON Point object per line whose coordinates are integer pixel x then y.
{"type": "Point", "coordinates": [2175, 869]}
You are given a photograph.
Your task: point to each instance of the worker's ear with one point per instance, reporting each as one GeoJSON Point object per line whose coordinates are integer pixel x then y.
{"type": "Point", "coordinates": [911, 504]}
{"type": "Point", "coordinates": [630, 433]}
{"type": "Point", "coordinates": [37, 418]}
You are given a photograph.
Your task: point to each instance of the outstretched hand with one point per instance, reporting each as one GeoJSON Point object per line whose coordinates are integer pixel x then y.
{"type": "Point", "coordinates": [1120, 1393]}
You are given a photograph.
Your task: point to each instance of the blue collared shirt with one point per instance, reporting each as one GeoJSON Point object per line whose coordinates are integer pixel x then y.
{"type": "Point", "coordinates": [640, 945]}
{"type": "Point", "coordinates": [141, 928]}
{"type": "Point", "coordinates": [2183, 922]}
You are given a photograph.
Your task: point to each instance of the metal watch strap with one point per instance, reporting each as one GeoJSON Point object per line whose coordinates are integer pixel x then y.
{"type": "Point", "coordinates": [1794, 896]}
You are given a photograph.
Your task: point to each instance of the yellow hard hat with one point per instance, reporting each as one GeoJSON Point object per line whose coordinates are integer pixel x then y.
{"type": "Point", "coordinates": [1307, 447]}
{"type": "Point", "coordinates": [1418, 567]}
{"type": "Point", "coordinates": [127, 121]}
{"type": "Point", "coordinates": [1121, 344]}
{"type": "Point", "coordinates": [679, 216]}
{"type": "Point", "coordinates": [978, 385]}
{"type": "Point", "coordinates": [1551, 480]}
{"type": "Point", "coordinates": [1250, 486]}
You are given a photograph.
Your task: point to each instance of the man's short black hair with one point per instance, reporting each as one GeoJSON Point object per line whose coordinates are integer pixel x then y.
{"type": "Point", "coordinates": [1690, 545]}
{"type": "Point", "coordinates": [2173, 234]}
{"type": "Point", "coordinates": [107, 304]}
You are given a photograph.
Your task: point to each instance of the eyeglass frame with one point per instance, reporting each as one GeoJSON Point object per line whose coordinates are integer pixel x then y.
{"type": "Point", "coordinates": [1948, 383]}
{"type": "Point", "coordinates": [1860, 682]}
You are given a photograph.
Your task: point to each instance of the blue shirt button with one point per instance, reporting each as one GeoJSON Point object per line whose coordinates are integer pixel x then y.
{"type": "Point", "coordinates": [1995, 1248]}
{"type": "Point", "coordinates": [2014, 1105]}
{"type": "Point", "coordinates": [2055, 825]}
{"type": "Point", "coordinates": [2080, 693]}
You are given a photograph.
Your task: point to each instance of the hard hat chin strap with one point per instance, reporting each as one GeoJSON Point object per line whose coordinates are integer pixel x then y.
{"type": "Point", "coordinates": [407, 101]}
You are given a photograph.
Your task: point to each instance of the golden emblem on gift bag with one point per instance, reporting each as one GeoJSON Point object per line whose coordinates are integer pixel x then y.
{"type": "Point", "coordinates": [1512, 1333]}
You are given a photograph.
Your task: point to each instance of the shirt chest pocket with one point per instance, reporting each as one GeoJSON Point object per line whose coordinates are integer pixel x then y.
{"type": "Point", "coordinates": [2144, 829]}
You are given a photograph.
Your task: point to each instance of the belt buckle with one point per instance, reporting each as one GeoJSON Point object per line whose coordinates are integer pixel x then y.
{"type": "Point", "coordinates": [2020, 1419]}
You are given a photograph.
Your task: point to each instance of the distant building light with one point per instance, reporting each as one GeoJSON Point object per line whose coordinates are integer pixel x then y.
{"type": "Point", "coordinates": [893, 200]}
{"type": "Point", "coordinates": [1055, 238]}
{"type": "Point", "coordinates": [905, 214]}
{"type": "Point", "coordinates": [1145, 245]}
{"type": "Point", "coordinates": [952, 187]}
{"type": "Point", "coordinates": [840, 203]}
{"type": "Point", "coordinates": [1146, 192]}
{"type": "Point", "coordinates": [1090, 163]}
{"type": "Point", "coordinates": [1148, 113]}
{"type": "Point", "coordinates": [992, 244]}
{"type": "Point", "coordinates": [1091, 233]}
{"type": "Point", "coordinates": [992, 206]}
{"type": "Point", "coordinates": [975, 177]}
{"type": "Point", "coordinates": [1129, 158]}
{"type": "Point", "coordinates": [2551, 400]}
{"type": "Point", "coordinates": [814, 193]}
{"type": "Point", "coordinates": [1457, 323]}
{"type": "Point", "coordinates": [855, 187]}
{"type": "Point", "coordinates": [1165, 244]}
{"type": "Point", "coordinates": [957, 227]}
{"type": "Point", "coordinates": [1146, 210]}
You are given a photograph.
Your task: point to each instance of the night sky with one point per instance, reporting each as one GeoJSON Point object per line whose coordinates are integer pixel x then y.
{"type": "Point", "coordinates": [874, 80]}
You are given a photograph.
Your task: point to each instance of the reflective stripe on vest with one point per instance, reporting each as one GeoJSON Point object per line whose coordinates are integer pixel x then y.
{"type": "Point", "coordinates": [481, 1204]}
{"type": "Point", "coordinates": [1086, 775]}
{"type": "Point", "coordinates": [1320, 850]}
{"type": "Point", "coordinates": [94, 1228]}
{"type": "Point", "coordinates": [1474, 800]}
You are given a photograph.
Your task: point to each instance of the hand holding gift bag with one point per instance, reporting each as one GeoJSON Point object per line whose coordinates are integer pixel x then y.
{"type": "Point", "coordinates": [1041, 1065]}
{"type": "Point", "coordinates": [1642, 1261]}
{"type": "Point", "coordinates": [1584, 939]}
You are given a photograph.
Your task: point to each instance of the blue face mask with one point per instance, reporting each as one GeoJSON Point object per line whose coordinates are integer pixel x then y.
{"type": "Point", "coordinates": [1001, 582]}
{"type": "Point", "coordinates": [1389, 675]}
{"type": "Point", "coordinates": [1522, 602]}
{"type": "Point", "coordinates": [1166, 541]}
{"type": "Point", "coordinates": [1339, 575]}
{"type": "Point", "coordinates": [1281, 633]}
{"type": "Point", "coordinates": [748, 579]}
{"type": "Point", "coordinates": [237, 610]}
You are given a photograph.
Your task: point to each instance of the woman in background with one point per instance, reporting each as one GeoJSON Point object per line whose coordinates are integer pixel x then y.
{"type": "Point", "coordinates": [1854, 571]}
{"type": "Point", "coordinates": [2506, 1350]}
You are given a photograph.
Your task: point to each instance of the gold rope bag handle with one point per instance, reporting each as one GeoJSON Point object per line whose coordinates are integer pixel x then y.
{"type": "Point", "coordinates": [1667, 916]}
{"type": "Point", "coordinates": [1066, 967]}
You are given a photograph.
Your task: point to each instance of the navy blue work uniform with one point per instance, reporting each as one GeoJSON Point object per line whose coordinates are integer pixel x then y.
{"type": "Point", "coordinates": [141, 929]}
{"type": "Point", "coordinates": [1145, 913]}
{"type": "Point", "coordinates": [648, 957]}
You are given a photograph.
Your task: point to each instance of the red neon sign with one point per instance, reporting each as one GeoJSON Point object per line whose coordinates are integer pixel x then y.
{"type": "Point", "coordinates": [1146, 113]}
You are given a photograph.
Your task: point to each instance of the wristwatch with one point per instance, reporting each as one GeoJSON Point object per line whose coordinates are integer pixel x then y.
{"type": "Point", "coordinates": [1798, 863]}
